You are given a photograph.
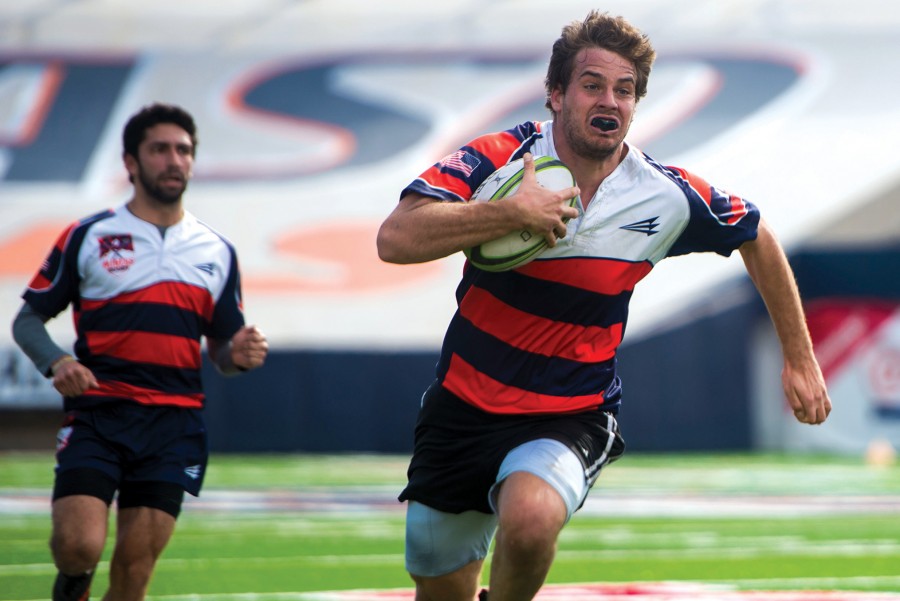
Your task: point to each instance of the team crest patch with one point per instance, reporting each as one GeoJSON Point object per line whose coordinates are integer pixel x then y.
{"type": "Point", "coordinates": [116, 252]}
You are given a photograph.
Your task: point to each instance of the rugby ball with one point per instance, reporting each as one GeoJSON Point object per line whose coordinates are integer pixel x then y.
{"type": "Point", "coordinates": [516, 248]}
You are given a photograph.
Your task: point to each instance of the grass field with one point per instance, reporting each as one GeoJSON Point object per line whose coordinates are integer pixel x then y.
{"type": "Point", "coordinates": [292, 524]}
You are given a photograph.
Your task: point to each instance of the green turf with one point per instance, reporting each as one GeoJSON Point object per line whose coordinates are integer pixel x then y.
{"type": "Point", "coordinates": [244, 551]}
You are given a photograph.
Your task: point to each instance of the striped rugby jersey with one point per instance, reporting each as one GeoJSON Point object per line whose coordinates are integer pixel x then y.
{"type": "Point", "coordinates": [542, 338]}
{"type": "Point", "coordinates": [141, 303]}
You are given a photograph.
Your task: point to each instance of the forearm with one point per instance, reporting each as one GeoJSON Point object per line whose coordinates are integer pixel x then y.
{"type": "Point", "coordinates": [421, 230]}
{"type": "Point", "coordinates": [771, 273]}
{"type": "Point", "coordinates": [220, 355]}
{"type": "Point", "coordinates": [802, 379]}
{"type": "Point", "coordinates": [30, 333]}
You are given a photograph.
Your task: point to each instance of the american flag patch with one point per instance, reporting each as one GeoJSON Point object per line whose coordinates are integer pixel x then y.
{"type": "Point", "coordinates": [461, 161]}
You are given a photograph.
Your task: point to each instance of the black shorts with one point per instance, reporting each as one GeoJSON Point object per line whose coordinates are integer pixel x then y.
{"type": "Point", "coordinates": [133, 446]}
{"type": "Point", "coordinates": [459, 448]}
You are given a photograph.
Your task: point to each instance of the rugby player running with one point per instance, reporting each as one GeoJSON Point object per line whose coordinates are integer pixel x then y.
{"type": "Point", "coordinates": [522, 415]}
{"type": "Point", "coordinates": [146, 282]}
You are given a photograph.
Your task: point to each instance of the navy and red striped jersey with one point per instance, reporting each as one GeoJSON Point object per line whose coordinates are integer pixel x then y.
{"type": "Point", "coordinates": [141, 303]}
{"type": "Point", "coordinates": [542, 338]}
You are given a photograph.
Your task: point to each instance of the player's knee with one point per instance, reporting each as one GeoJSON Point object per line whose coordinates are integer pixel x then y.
{"type": "Point", "coordinates": [533, 519]}
{"type": "Point", "coordinates": [76, 554]}
{"type": "Point", "coordinates": [530, 526]}
{"type": "Point", "coordinates": [527, 538]}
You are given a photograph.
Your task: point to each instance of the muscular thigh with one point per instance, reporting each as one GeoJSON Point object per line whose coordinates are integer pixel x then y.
{"type": "Point", "coordinates": [80, 520]}
{"type": "Point", "coordinates": [554, 463]}
{"type": "Point", "coordinates": [143, 531]}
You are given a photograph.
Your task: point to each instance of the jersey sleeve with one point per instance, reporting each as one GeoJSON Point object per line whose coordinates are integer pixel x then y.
{"type": "Point", "coordinates": [719, 222]}
{"type": "Point", "coordinates": [228, 313]}
{"type": "Point", "coordinates": [56, 283]}
{"type": "Point", "coordinates": [456, 176]}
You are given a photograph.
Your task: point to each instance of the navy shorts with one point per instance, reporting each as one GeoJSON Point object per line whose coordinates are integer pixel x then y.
{"type": "Point", "coordinates": [459, 448]}
{"type": "Point", "coordinates": [137, 448]}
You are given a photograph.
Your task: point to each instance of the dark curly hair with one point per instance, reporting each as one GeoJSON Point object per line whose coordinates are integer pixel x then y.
{"type": "Point", "coordinates": [151, 115]}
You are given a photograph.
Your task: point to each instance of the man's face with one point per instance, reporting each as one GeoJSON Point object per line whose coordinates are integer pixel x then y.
{"type": "Point", "coordinates": [164, 163]}
{"type": "Point", "coordinates": [596, 109]}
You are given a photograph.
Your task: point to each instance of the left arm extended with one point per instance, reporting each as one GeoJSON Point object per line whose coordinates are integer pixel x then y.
{"type": "Point", "coordinates": [802, 379]}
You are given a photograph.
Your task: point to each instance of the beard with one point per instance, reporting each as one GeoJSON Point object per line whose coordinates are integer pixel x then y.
{"type": "Point", "coordinates": [587, 147]}
{"type": "Point", "coordinates": [166, 196]}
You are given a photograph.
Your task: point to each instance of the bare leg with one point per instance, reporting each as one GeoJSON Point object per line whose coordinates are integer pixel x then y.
{"type": "Point", "coordinates": [141, 536]}
{"type": "Point", "coordinates": [79, 533]}
{"type": "Point", "coordinates": [531, 515]}
{"type": "Point", "coordinates": [461, 585]}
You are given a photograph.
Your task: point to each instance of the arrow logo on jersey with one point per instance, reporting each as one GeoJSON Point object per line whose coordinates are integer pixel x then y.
{"type": "Point", "coordinates": [207, 268]}
{"type": "Point", "coordinates": [646, 226]}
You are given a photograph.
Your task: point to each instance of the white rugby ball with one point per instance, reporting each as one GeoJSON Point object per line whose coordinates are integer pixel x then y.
{"type": "Point", "coordinates": [516, 248]}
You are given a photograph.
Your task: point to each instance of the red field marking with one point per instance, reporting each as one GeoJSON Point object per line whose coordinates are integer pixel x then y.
{"type": "Point", "coordinates": [662, 591]}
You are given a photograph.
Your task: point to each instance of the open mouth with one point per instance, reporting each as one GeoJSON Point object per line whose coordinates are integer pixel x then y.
{"type": "Point", "coordinates": [604, 124]}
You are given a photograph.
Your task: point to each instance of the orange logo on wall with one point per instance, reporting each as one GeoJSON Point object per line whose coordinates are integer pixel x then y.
{"type": "Point", "coordinates": [340, 258]}
{"type": "Point", "coordinates": [21, 255]}
{"type": "Point", "coordinates": [335, 259]}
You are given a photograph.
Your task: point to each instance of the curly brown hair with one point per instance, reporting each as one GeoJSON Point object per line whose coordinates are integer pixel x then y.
{"type": "Point", "coordinates": [599, 30]}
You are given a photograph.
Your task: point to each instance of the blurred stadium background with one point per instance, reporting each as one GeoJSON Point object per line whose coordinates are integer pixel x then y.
{"type": "Point", "coordinates": [313, 115]}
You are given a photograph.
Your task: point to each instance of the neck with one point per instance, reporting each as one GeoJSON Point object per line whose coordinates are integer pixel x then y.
{"type": "Point", "coordinates": [590, 173]}
{"type": "Point", "coordinates": [155, 212]}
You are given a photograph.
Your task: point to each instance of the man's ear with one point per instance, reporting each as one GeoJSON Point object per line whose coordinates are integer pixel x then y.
{"type": "Point", "coordinates": [556, 100]}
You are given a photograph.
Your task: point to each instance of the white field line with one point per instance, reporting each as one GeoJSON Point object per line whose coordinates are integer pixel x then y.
{"type": "Point", "coordinates": [786, 547]}
{"type": "Point", "coordinates": [374, 501]}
